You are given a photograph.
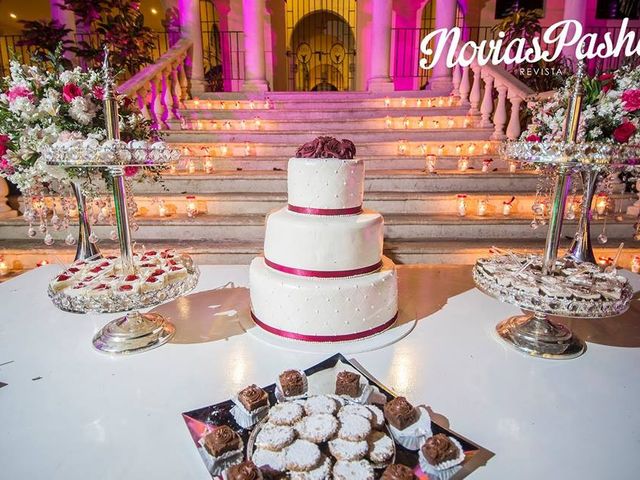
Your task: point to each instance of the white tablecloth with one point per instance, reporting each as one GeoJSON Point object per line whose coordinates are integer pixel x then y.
{"type": "Point", "coordinates": [68, 412]}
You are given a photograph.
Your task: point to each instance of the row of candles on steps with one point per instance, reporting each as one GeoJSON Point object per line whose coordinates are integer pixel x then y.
{"type": "Point", "coordinates": [464, 164]}
{"type": "Point", "coordinates": [422, 123]}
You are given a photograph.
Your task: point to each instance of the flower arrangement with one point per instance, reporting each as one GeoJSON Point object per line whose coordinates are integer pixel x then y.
{"type": "Point", "coordinates": [610, 112]}
{"type": "Point", "coordinates": [44, 103]}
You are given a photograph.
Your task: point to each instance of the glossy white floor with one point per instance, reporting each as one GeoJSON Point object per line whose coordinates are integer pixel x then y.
{"type": "Point", "coordinates": [68, 412]}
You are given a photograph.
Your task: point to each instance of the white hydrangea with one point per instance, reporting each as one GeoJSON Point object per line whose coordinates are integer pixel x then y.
{"type": "Point", "coordinates": [23, 107]}
{"type": "Point", "coordinates": [82, 110]}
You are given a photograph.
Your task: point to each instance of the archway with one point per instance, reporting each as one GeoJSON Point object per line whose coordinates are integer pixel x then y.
{"type": "Point", "coordinates": [321, 46]}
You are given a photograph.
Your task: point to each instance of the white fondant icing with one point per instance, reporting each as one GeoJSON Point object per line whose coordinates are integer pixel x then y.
{"type": "Point", "coordinates": [317, 306]}
{"type": "Point", "coordinates": [327, 183]}
{"type": "Point", "coordinates": [325, 243]}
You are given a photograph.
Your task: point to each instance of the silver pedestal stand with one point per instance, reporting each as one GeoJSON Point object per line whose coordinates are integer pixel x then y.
{"type": "Point", "coordinates": [544, 284]}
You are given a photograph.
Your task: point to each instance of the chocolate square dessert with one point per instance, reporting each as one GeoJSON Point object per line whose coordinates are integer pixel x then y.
{"type": "Point", "coordinates": [400, 413]}
{"type": "Point", "coordinates": [292, 383]}
{"type": "Point", "coordinates": [244, 471]}
{"type": "Point", "coordinates": [348, 383]}
{"type": "Point", "coordinates": [222, 440]}
{"type": "Point", "coordinates": [253, 397]}
{"type": "Point", "coordinates": [398, 472]}
{"type": "Point", "coordinates": [439, 448]}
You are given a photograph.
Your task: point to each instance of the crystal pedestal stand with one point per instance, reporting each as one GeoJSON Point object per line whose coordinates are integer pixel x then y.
{"type": "Point", "coordinates": [581, 249]}
{"type": "Point", "coordinates": [135, 332]}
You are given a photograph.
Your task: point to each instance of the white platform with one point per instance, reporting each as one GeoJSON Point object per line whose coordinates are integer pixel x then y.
{"type": "Point", "coordinates": [68, 412]}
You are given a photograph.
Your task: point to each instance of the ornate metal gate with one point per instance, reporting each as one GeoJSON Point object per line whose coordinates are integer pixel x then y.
{"type": "Point", "coordinates": [321, 46]}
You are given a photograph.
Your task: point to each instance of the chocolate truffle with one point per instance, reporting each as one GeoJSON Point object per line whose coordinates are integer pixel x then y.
{"type": "Point", "coordinates": [400, 413]}
{"type": "Point", "coordinates": [348, 383]}
{"type": "Point", "coordinates": [292, 383]}
{"type": "Point", "coordinates": [244, 471]}
{"type": "Point", "coordinates": [253, 397]}
{"type": "Point", "coordinates": [398, 472]}
{"type": "Point", "coordinates": [222, 440]}
{"type": "Point", "coordinates": [438, 449]}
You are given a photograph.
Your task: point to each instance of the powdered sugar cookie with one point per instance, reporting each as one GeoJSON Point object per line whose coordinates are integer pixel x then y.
{"type": "Point", "coordinates": [275, 437]}
{"type": "Point", "coordinates": [321, 472]}
{"type": "Point", "coordinates": [355, 409]}
{"type": "Point", "coordinates": [317, 428]}
{"type": "Point", "coordinates": [354, 428]}
{"type": "Point", "coordinates": [358, 470]}
{"type": "Point", "coordinates": [377, 419]}
{"type": "Point", "coordinates": [346, 450]}
{"type": "Point", "coordinates": [380, 447]}
{"type": "Point", "coordinates": [286, 413]}
{"type": "Point", "coordinates": [302, 455]}
{"type": "Point", "coordinates": [267, 458]}
{"type": "Point", "coordinates": [320, 404]}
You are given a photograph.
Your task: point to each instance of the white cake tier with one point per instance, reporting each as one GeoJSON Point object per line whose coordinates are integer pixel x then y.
{"type": "Point", "coordinates": [342, 244]}
{"type": "Point", "coordinates": [323, 310]}
{"type": "Point", "coordinates": [329, 184]}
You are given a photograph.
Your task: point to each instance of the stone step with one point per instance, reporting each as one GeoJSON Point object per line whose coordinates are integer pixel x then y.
{"type": "Point", "coordinates": [375, 181]}
{"type": "Point", "coordinates": [339, 117]}
{"type": "Point", "coordinates": [362, 138]}
{"type": "Point", "coordinates": [231, 228]}
{"type": "Point", "coordinates": [23, 255]}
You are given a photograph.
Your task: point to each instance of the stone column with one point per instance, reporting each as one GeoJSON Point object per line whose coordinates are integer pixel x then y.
{"type": "Point", "coordinates": [67, 19]}
{"type": "Point", "coordinates": [441, 80]}
{"type": "Point", "coordinates": [254, 65]}
{"type": "Point", "coordinates": [574, 10]}
{"type": "Point", "coordinates": [191, 29]}
{"type": "Point", "coordinates": [380, 47]}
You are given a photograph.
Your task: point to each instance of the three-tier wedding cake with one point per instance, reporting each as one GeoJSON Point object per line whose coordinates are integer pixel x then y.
{"type": "Point", "coordinates": [323, 277]}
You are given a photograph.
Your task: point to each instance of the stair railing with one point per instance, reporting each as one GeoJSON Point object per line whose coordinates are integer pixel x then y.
{"type": "Point", "coordinates": [161, 88]}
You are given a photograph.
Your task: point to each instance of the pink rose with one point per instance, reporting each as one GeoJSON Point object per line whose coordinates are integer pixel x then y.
{"type": "Point", "coordinates": [71, 91]}
{"type": "Point", "coordinates": [631, 100]}
{"type": "Point", "coordinates": [130, 171]}
{"type": "Point", "coordinates": [6, 167]}
{"type": "Point", "coordinates": [98, 92]}
{"type": "Point", "coordinates": [606, 79]}
{"type": "Point", "coordinates": [624, 132]}
{"type": "Point", "coordinates": [533, 138]}
{"type": "Point", "coordinates": [4, 144]}
{"type": "Point", "coordinates": [19, 91]}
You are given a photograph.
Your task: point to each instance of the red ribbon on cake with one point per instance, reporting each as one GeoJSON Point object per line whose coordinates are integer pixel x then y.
{"type": "Point", "coordinates": [301, 272]}
{"type": "Point", "coordinates": [325, 338]}
{"type": "Point", "coordinates": [325, 211]}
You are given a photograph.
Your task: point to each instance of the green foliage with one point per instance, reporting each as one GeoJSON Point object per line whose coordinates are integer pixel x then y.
{"type": "Point", "coordinates": [44, 38]}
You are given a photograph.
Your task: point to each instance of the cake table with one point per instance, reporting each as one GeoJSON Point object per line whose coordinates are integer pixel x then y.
{"type": "Point", "coordinates": [68, 412]}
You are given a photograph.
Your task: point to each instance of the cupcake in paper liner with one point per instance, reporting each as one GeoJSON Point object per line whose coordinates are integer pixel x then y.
{"type": "Point", "coordinates": [441, 456]}
{"type": "Point", "coordinates": [246, 470]}
{"type": "Point", "coordinates": [291, 385]}
{"type": "Point", "coordinates": [251, 405]}
{"type": "Point", "coordinates": [223, 448]}
{"type": "Point", "coordinates": [409, 426]}
{"type": "Point", "coordinates": [353, 387]}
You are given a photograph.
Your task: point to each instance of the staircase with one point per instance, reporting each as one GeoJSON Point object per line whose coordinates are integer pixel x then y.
{"type": "Point", "coordinates": [236, 169]}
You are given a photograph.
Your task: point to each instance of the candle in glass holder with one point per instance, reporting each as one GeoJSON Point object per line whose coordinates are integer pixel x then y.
{"type": "Point", "coordinates": [441, 102]}
{"type": "Point", "coordinates": [431, 163]}
{"type": "Point", "coordinates": [4, 268]}
{"type": "Point", "coordinates": [429, 102]}
{"type": "Point", "coordinates": [602, 200]}
{"type": "Point", "coordinates": [467, 122]}
{"type": "Point", "coordinates": [441, 149]}
{"type": "Point", "coordinates": [458, 149]}
{"type": "Point", "coordinates": [403, 102]}
{"type": "Point", "coordinates": [452, 100]}
{"type": "Point", "coordinates": [482, 207]}
{"type": "Point", "coordinates": [243, 125]}
{"type": "Point", "coordinates": [162, 209]}
{"type": "Point", "coordinates": [486, 147]}
{"type": "Point", "coordinates": [387, 122]}
{"type": "Point", "coordinates": [486, 165]}
{"type": "Point", "coordinates": [506, 208]}
{"type": "Point", "coordinates": [192, 206]}
{"type": "Point", "coordinates": [471, 149]}
{"type": "Point", "coordinates": [267, 104]}
{"type": "Point", "coordinates": [423, 149]}
{"type": "Point", "coordinates": [405, 122]}
{"type": "Point", "coordinates": [208, 165]}
{"type": "Point", "coordinates": [258, 123]}
{"type": "Point", "coordinates": [172, 169]}
{"type": "Point", "coordinates": [237, 105]}
{"type": "Point", "coordinates": [421, 122]}
{"type": "Point", "coordinates": [512, 166]}
{"type": "Point", "coordinates": [387, 102]}
{"type": "Point", "coordinates": [463, 164]}
{"type": "Point", "coordinates": [214, 125]}
{"type": "Point", "coordinates": [605, 261]}
{"type": "Point", "coordinates": [450, 122]}
{"type": "Point", "coordinates": [185, 151]}
{"type": "Point", "coordinates": [222, 105]}
{"type": "Point", "coordinates": [252, 105]}
{"type": "Point", "coordinates": [247, 149]}
{"type": "Point", "coordinates": [191, 167]}
{"type": "Point", "coordinates": [42, 263]}
{"type": "Point", "coordinates": [461, 204]}
{"type": "Point", "coordinates": [402, 147]}
{"type": "Point", "coordinates": [635, 264]}
{"type": "Point", "coordinates": [227, 125]}
{"type": "Point", "coordinates": [435, 124]}
{"type": "Point", "coordinates": [196, 103]}
{"type": "Point", "coordinates": [419, 102]}
{"type": "Point", "coordinates": [224, 149]}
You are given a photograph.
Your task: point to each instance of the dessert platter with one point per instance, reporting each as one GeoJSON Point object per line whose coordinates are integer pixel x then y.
{"type": "Point", "coordinates": [105, 285]}
{"type": "Point", "coordinates": [329, 421]}
{"type": "Point", "coordinates": [323, 277]}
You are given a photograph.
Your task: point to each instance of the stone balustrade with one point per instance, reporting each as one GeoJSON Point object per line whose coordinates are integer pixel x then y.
{"type": "Point", "coordinates": [478, 86]}
{"type": "Point", "coordinates": [161, 88]}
